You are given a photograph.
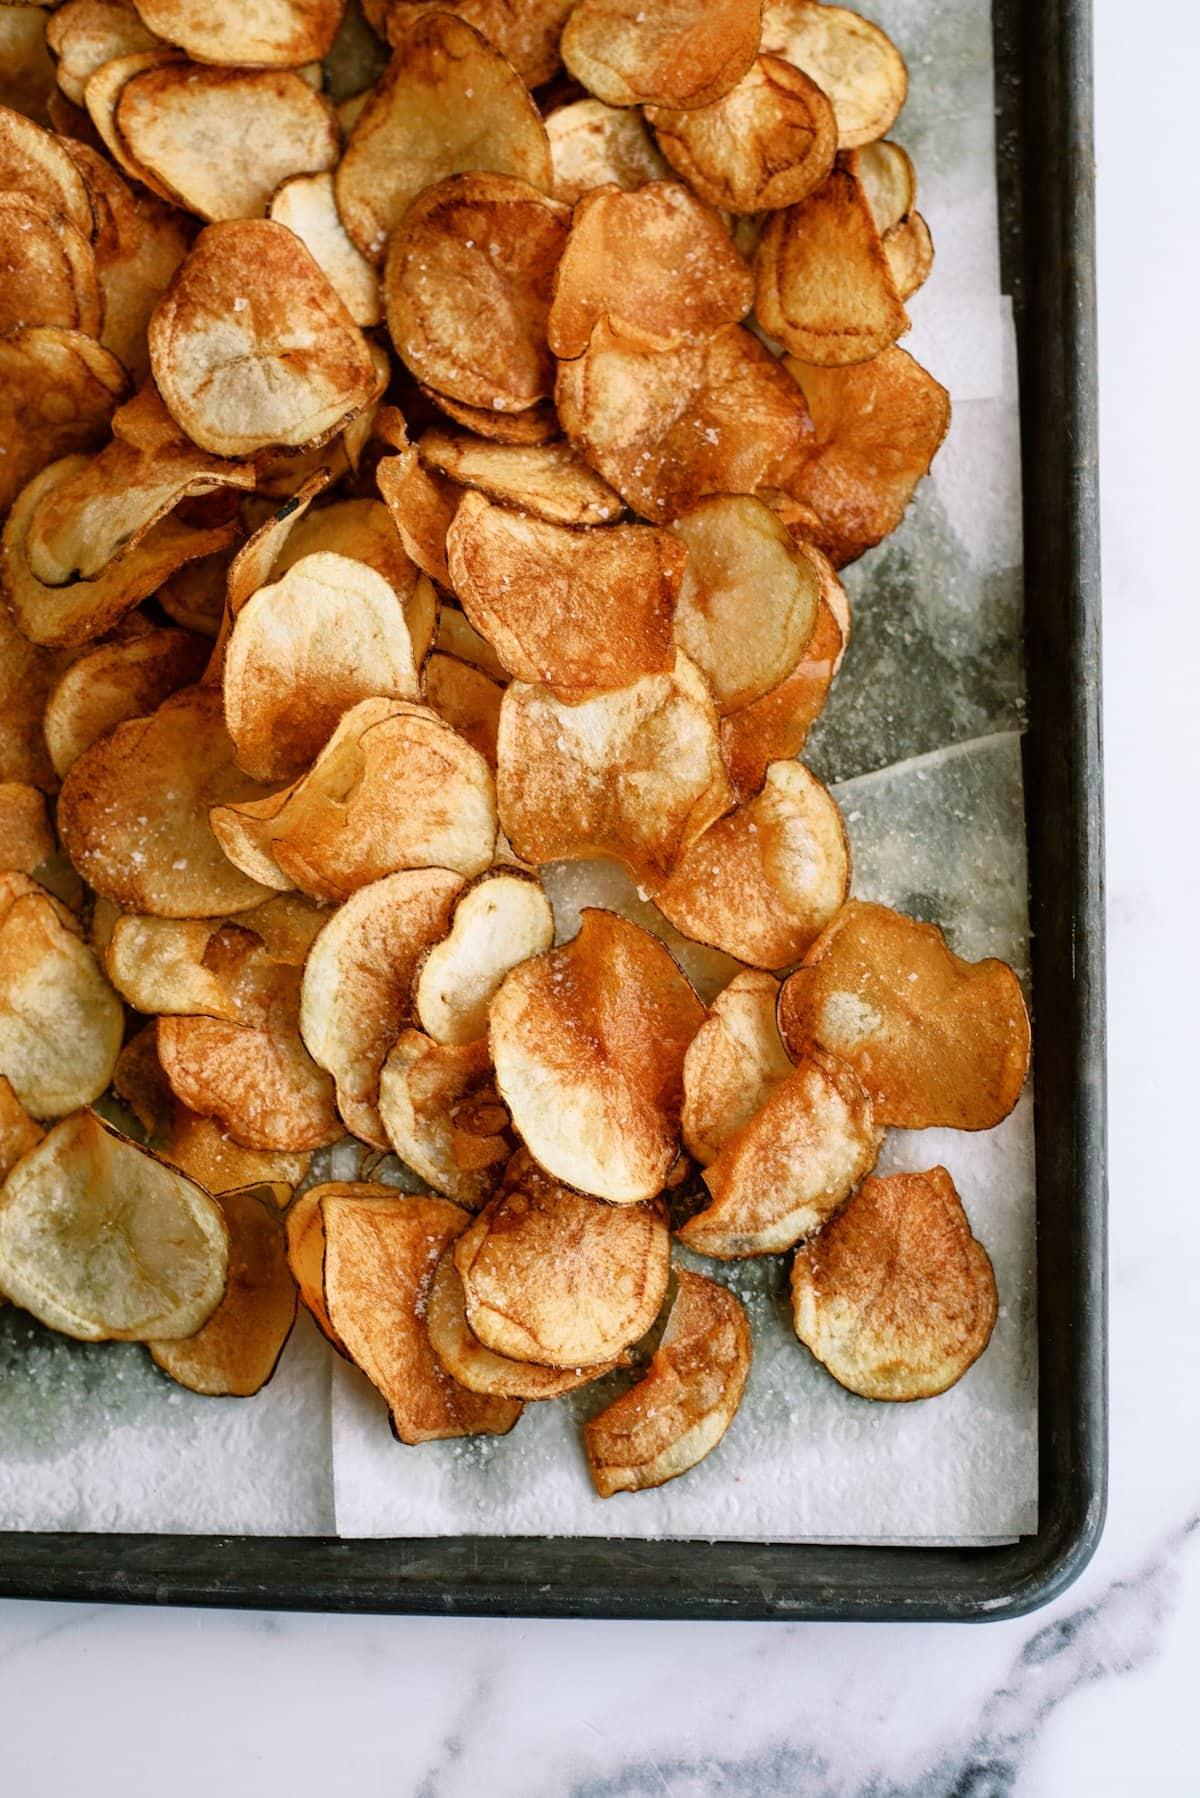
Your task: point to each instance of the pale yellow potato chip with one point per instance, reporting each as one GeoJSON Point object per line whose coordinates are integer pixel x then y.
{"type": "Point", "coordinates": [458, 637]}
{"type": "Point", "coordinates": [850, 59]}
{"type": "Point", "coordinates": [549, 479]}
{"type": "Point", "coordinates": [19, 1133]}
{"type": "Point", "coordinates": [35, 163]}
{"type": "Point", "coordinates": [274, 33]}
{"type": "Point", "coordinates": [594, 145]}
{"type": "Point", "coordinates": [26, 833]}
{"type": "Point", "coordinates": [60, 1021]}
{"type": "Point", "coordinates": [888, 179]}
{"type": "Point", "coordinates": [84, 34]}
{"type": "Point", "coordinates": [57, 394]}
{"type": "Point", "coordinates": [126, 677]}
{"type": "Point", "coordinates": [678, 53]}
{"type": "Point", "coordinates": [734, 1062]}
{"type": "Point", "coordinates": [198, 1147]}
{"type": "Point", "coordinates": [305, 204]}
{"type": "Point", "coordinates": [102, 91]}
{"type": "Point", "coordinates": [442, 1115]}
{"type": "Point", "coordinates": [497, 922]}
{"type": "Point", "coordinates": [50, 274]}
{"type": "Point", "coordinates": [908, 247]}
{"type": "Point", "coordinates": [526, 33]}
{"type": "Point", "coordinates": [188, 967]}
{"type": "Point", "coordinates": [466, 699]}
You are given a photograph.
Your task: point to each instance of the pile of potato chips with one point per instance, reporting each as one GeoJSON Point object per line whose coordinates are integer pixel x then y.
{"type": "Point", "coordinates": [406, 490]}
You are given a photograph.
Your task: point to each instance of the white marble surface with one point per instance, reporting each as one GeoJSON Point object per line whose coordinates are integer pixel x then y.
{"type": "Point", "coordinates": [1095, 1696]}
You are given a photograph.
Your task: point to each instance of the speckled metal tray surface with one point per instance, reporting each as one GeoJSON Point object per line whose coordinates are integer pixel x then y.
{"type": "Point", "coordinates": [1043, 94]}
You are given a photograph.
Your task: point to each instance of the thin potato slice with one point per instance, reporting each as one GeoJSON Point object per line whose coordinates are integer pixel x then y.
{"type": "Point", "coordinates": [380, 1255]}
{"type": "Point", "coordinates": [908, 247]}
{"type": "Point", "coordinates": [26, 68]}
{"type": "Point", "coordinates": [442, 1116]}
{"type": "Point", "coordinates": [458, 637]}
{"type": "Point", "coordinates": [305, 204]}
{"type": "Point", "coordinates": [850, 59]}
{"type": "Point", "coordinates": [101, 1240]}
{"type": "Point", "coordinates": [934, 1039]}
{"type": "Point", "coordinates": [680, 1411]}
{"type": "Point", "coordinates": [552, 1277]}
{"type": "Point", "coordinates": [734, 1063]}
{"type": "Point", "coordinates": [583, 611]}
{"type": "Point", "coordinates": [27, 676]}
{"type": "Point", "coordinates": [19, 1133]}
{"type": "Point", "coordinates": [194, 598]}
{"type": "Point", "coordinates": [896, 1298]}
{"type": "Point", "coordinates": [101, 93]}
{"type": "Point", "coordinates": [185, 967]}
{"type": "Point", "coordinates": [287, 366]}
{"type": "Point", "coordinates": [594, 145]}
{"type": "Point", "coordinates": [138, 1080]}
{"type": "Point", "coordinates": [57, 394]}
{"type": "Point", "coordinates": [467, 700]}
{"type": "Point", "coordinates": [886, 175]}
{"type": "Point", "coordinates": [356, 993]}
{"type": "Point", "coordinates": [235, 1353]}
{"type": "Point", "coordinates": [588, 1041]}
{"type": "Point", "coordinates": [50, 274]}
{"type": "Point", "coordinates": [134, 812]}
{"type": "Point", "coordinates": [446, 104]}
{"type": "Point", "coordinates": [61, 1024]}
{"type": "Point", "coordinates": [125, 678]}
{"type": "Point", "coordinates": [393, 788]}
{"type": "Point", "coordinates": [305, 1233]}
{"type": "Point", "coordinates": [536, 424]}
{"type": "Point", "coordinates": [34, 162]}
{"type": "Point", "coordinates": [259, 556]}
{"type": "Point", "coordinates": [496, 923]}
{"type": "Point", "coordinates": [548, 480]}
{"type": "Point", "coordinates": [199, 1148]}
{"type": "Point", "coordinates": [422, 506]}
{"type": "Point", "coordinates": [525, 33]}
{"type": "Point", "coordinates": [274, 33]}
{"type": "Point", "coordinates": [767, 143]}
{"type": "Point", "coordinates": [26, 834]}
{"type": "Point", "coordinates": [85, 34]}
{"type": "Point", "coordinates": [678, 53]}
{"type": "Point", "coordinates": [480, 1369]}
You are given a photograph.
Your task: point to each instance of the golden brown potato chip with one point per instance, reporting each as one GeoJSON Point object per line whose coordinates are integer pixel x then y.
{"type": "Point", "coordinates": [26, 68]}
{"type": "Point", "coordinates": [667, 427]}
{"type": "Point", "coordinates": [235, 1353]}
{"type": "Point", "coordinates": [57, 393]}
{"type": "Point", "coordinates": [678, 53]}
{"type": "Point", "coordinates": [102, 91]}
{"type": "Point", "coordinates": [734, 1062]}
{"type": "Point", "coordinates": [823, 284]}
{"type": "Point", "coordinates": [537, 424]}
{"type": "Point", "coordinates": [500, 920]}
{"type": "Point", "coordinates": [594, 145]}
{"type": "Point", "coordinates": [850, 59]}
{"type": "Point", "coordinates": [18, 1131]}
{"type": "Point", "coordinates": [26, 834]}
{"type": "Point", "coordinates": [635, 773]}
{"type": "Point", "coordinates": [583, 611]}
{"type": "Point", "coordinates": [134, 812]}
{"type": "Point", "coordinates": [889, 182]}
{"type": "Point", "coordinates": [908, 247]}
{"type": "Point", "coordinates": [287, 366]}
{"type": "Point", "coordinates": [35, 163]}
{"type": "Point", "coordinates": [184, 967]}
{"type": "Point", "coordinates": [49, 270]}
{"type": "Point", "coordinates": [658, 265]}
{"type": "Point", "coordinates": [305, 1233]}
{"type": "Point", "coordinates": [934, 1039]}
{"type": "Point", "coordinates": [422, 506]}
{"type": "Point", "coordinates": [127, 677]}
{"type": "Point", "coordinates": [766, 143]}
{"type": "Point", "coordinates": [446, 104]}
{"type": "Point", "coordinates": [194, 598]}
{"type": "Point", "coordinates": [27, 676]}
{"type": "Point", "coordinates": [548, 480]}
{"type": "Point", "coordinates": [458, 637]}
{"type": "Point", "coordinates": [588, 1041]}
{"type": "Point", "coordinates": [467, 289]}
{"type": "Point", "coordinates": [552, 1277]}
{"type": "Point", "coordinates": [878, 428]}
{"type": "Point", "coordinates": [60, 1022]}
{"type": "Point", "coordinates": [138, 1080]}
{"type": "Point", "coordinates": [896, 1298]}
{"type": "Point", "coordinates": [442, 1115]}
{"type": "Point", "coordinates": [525, 33]}
{"type": "Point", "coordinates": [284, 473]}
{"type": "Point", "coordinates": [363, 530]}
{"type": "Point", "coordinates": [198, 1147]}
{"type": "Point", "coordinates": [678, 1414]}
{"type": "Point", "coordinates": [393, 788]}
{"type": "Point", "coordinates": [764, 881]}
{"type": "Point", "coordinates": [305, 204]}
{"type": "Point", "coordinates": [257, 559]}
{"type": "Point", "coordinates": [467, 700]}
{"type": "Point", "coordinates": [379, 1260]}
{"type": "Point", "coordinates": [85, 34]}
{"type": "Point", "coordinates": [356, 995]}
{"type": "Point", "coordinates": [274, 33]}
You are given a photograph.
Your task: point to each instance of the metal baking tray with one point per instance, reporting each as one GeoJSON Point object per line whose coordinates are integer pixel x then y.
{"type": "Point", "coordinates": [1044, 138]}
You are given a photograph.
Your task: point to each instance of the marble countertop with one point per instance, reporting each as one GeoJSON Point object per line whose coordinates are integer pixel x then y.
{"type": "Point", "coordinates": [1092, 1696]}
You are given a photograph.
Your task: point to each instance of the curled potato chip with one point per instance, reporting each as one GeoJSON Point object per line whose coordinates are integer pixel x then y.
{"type": "Point", "coordinates": [57, 393]}
{"type": "Point", "coordinates": [446, 104]}
{"type": "Point", "coordinates": [552, 1277]}
{"type": "Point", "coordinates": [84, 34]}
{"type": "Point", "coordinates": [138, 1080]}
{"type": "Point", "coordinates": [783, 1172]}
{"type": "Point", "coordinates": [124, 678]}
{"type": "Point", "coordinates": [536, 424]}
{"type": "Point", "coordinates": [184, 967]}
{"type": "Point", "coordinates": [458, 637]}
{"type": "Point", "coordinates": [467, 700]}
{"type": "Point", "coordinates": [380, 1255]}
{"type": "Point", "coordinates": [895, 1297]}
{"type": "Point", "coordinates": [878, 427]}
{"type": "Point", "coordinates": [60, 1022]}
{"type": "Point", "coordinates": [103, 1241]}
{"type": "Point", "coordinates": [934, 1039]}
{"type": "Point", "coordinates": [26, 834]}
{"type": "Point", "coordinates": [888, 179]}
{"type": "Point", "coordinates": [767, 143]}
{"type": "Point", "coordinates": [198, 1147]}
{"type": "Point", "coordinates": [305, 204]}
{"type": "Point", "coordinates": [49, 270]}
{"type": "Point", "coordinates": [442, 1115]}
{"type": "Point", "coordinates": [235, 1353]}
{"type": "Point", "coordinates": [480, 1369]}
{"type": "Point", "coordinates": [467, 288]}
{"type": "Point", "coordinates": [499, 921]}
{"type": "Point", "coordinates": [763, 882]}
{"type": "Point", "coordinates": [583, 611]}
{"type": "Point", "coordinates": [678, 1414]}
{"type": "Point", "coordinates": [588, 1042]}
{"type": "Point", "coordinates": [679, 53]}
{"type": "Point", "coordinates": [19, 1133]}
{"type": "Point", "coordinates": [35, 163]}
{"type": "Point", "coordinates": [134, 812]}
{"type": "Point", "coordinates": [356, 994]}
{"type": "Point", "coordinates": [548, 479]}
{"type": "Point", "coordinates": [273, 33]}
{"type": "Point", "coordinates": [635, 773]}
{"type": "Point", "coordinates": [850, 59]}
{"type": "Point", "coordinates": [526, 34]}
{"type": "Point", "coordinates": [393, 788]}
{"type": "Point", "coordinates": [734, 1062]}
{"type": "Point", "coordinates": [101, 93]}
{"type": "Point", "coordinates": [422, 505]}
{"type": "Point", "coordinates": [27, 676]}
{"type": "Point", "coordinates": [823, 284]}
{"type": "Point", "coordinates": [667, 427]}
{"type": "Point", "coordinates": [329, 633]}
{"type": "Point", "coordinates": [194, 597]}
{"type": "Point", "coordinates": [287, 366]}
{"type": "Point", "coordinates": [594, 145]}
{"type": "Point", "coordinates": [908, 247]}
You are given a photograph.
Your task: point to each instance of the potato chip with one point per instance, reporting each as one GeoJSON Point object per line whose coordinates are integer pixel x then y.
{"type": "Point", "coordinates": [379, 1260]}
{"type": "Point", "coordinates": [85, 34]}
{"type": "Point", "coordinates": [363, 529]}
{"type": "Point", "coordinates": [126, 677]}
{"type": "Point", "coordinates": [27, 675]}
{"type": "Point", "coordinates": [422, 506]}
{"type": "Point", "coordinates": [878, 428]}
{"type": "Point", "coordinates": [393, 788]}
{"type": "Point", "coordinates": [101, 1240]}
{"type": "Point", "coordinates": [446, 104]}
{"type": "Point", "coordinates": [526, 34]}
{"type": "Point", "coordinates": [458, 637]}
{"type": "Point", "coordinates": [467, 700]}
{"type": "Point", "coordinates": [850, 59]}
{"type": "Point", "coordinates": [896, 1298]}
{"type": "Point", "coordinates": [583, 611]}
{"type": "Point", "coordinates": [679, 1412]}
{"type": "Point", "coordinates": [305, 1235]}
{"type": "Point", "coordinates": [19, 1133]}
{"type": "Point", "coordinates": [288, 366]}
{"type": "Point", "coordinates": [49, 270]}
{"type": "Point", "coordinates": [734, 1062]}
{"type": "Point", "coordinates": [908, 247]}
{"type": "Point", "coordinates": [134, 812]}
{"type": "Point", "coordinates": [102, 91]}
{"type": "Point", "coordinates": [57, 393]}
{"type": "Point", "coordinates": [667, 427]}
{"type": "Point", "coordinates": [442, 1115]}
{"type": "Point", "coordinates": [198, 1147]}
{"type": "Point", "coordinates": [194, 597]}
{"type": "Point", "coordinates": [764, 881]}
{"type": "Point", "coordinates": [284, 473]}
{"type": "Point", "coordinates": [275, 33]}
{"type": "Point", "coordinates": [480, 1369]}
{"type": "Point", "coordinates": [26, 834]}
{"type": "Point", "coordinates": [139, 1082]}
{"type": "Point", "coordinates": [934, 1039]}
{"type": "Point", "coordinates": [496, 923]}
{"type": "Point", "coordinates": [594, 145]}
{"type": "Point", "coordinates": [26, 69]}
{"type": "Point", "coordinates": [467, 288]}
{"type": "Point", "coordinates": [588, 1041]}
{"type": "Point", "coordinates": [549, 480]}
{"type": "Point", "coordinates": [552, 1277]}
{"type": "Point", "coordinates": [536, 424]}
{"type": "Point", "coordinates": [767, 143]}
{"type": "Point", "coordinates": [889, 182]}
{"type": "Point", "coordinates": [60, 1022]}
{"type": "Point", "coordinates": [305, 204]}
{"type": "Point", "coordinates": [679, 53]}
{"type": "Point", "coordinates": [775, 727]}
{"type": "Point", "coordinates": [35, 163]}
{"type": "Point", "coordinates": [183, 967]}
